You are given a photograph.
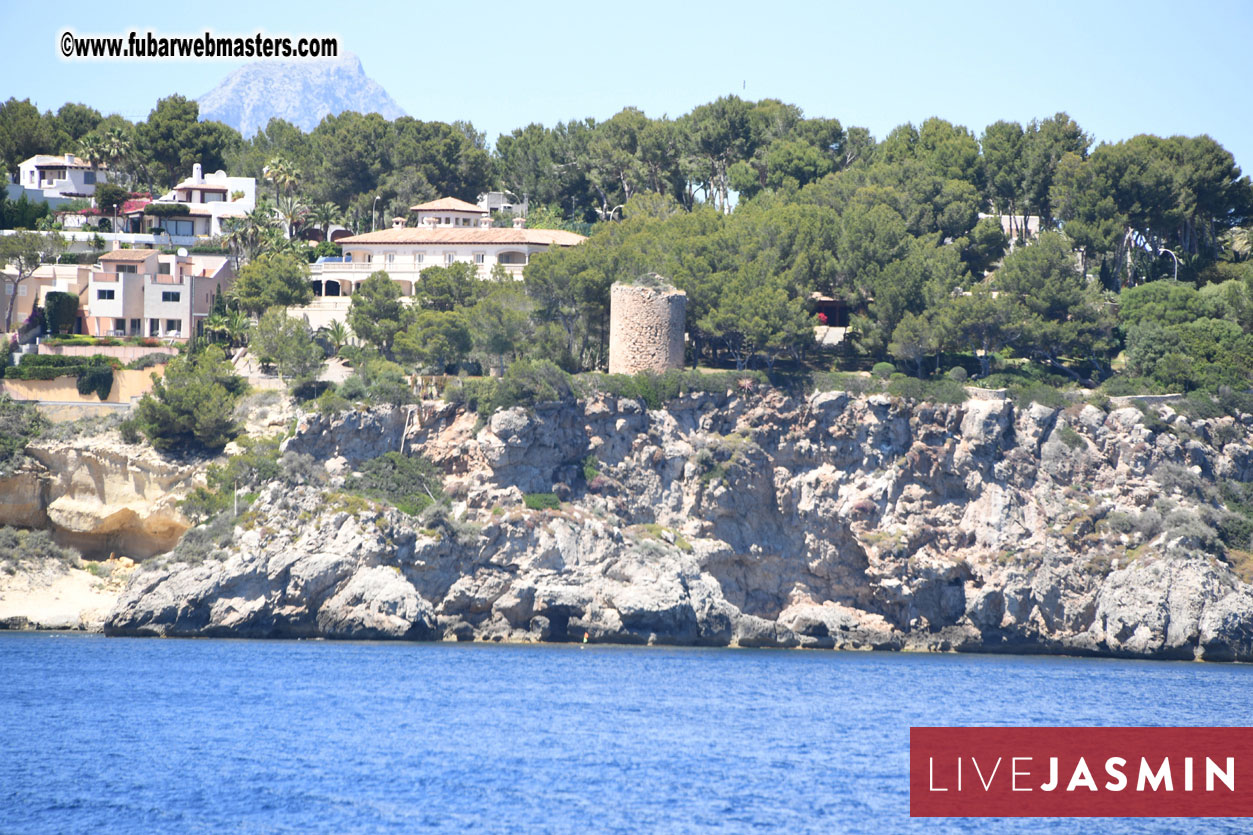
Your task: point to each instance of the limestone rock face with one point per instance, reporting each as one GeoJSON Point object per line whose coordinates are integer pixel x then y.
{"type": "Point", "coordinates": [99, 495]}
{"type": "Point", "coordinates": [748, 519]}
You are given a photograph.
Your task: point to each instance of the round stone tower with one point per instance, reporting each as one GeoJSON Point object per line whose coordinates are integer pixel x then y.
{"type": "Point", "coordinates": [646, 321]}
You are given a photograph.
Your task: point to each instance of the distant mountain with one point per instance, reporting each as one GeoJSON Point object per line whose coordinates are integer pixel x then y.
{"type": "Point", "coordinates": [302, 92]}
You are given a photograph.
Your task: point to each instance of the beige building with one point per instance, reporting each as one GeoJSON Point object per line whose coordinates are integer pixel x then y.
{"type": "Point", "coordinates": [62, 278]}
{"type": "Point", "coordinates": [142, 292]}
{"type": "Point", "coordinates": [448, 231]}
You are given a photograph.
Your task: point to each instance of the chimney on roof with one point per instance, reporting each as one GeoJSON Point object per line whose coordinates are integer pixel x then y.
{"type": "Point", "coordinates": [430, 222]}
{"type": "Point", "coordinates": [398, 223]}
{"type": "Point", "coordinates": [116, 245]}
{"type": "Point", "coordinates": [519, 223]}
{"type": "Point", "coordinates": [197, 173]}
{"type": "Point", "coordinates": [69, 159]}
{"type": "Point", "coordinates": [485, 222]}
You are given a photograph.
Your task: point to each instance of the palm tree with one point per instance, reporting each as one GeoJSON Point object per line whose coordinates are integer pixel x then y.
{"type": "Point", "coordinates": [283, 173]}
{"type": "Point", "coordinates": [292, 211]}
{"type": "Point", "coordinates": [322, 216]}
{"type": "Point", "coordinates": [90, 148]}
{"type": "Point", "coordinates": [337, 334]}
{"type": "Point", "coordinates": [237, 325]}
{"type": "Point", "coordinates": [116, 147]}
{"type": "Point", "coordinates": [247, 236]}
{"type": "Point", "coordinates": [1239, 239]}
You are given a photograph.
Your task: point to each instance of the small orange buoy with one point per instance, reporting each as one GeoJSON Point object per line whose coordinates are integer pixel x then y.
{"type": "Point", "coordinates": [585, 637]}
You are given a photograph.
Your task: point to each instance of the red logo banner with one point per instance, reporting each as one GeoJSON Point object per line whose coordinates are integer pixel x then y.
{"type": "Point", "coordinates": [1081, 772]}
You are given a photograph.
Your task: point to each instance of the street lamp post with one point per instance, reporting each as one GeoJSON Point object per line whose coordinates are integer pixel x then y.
{"type": "Point", "coordinates": [1172, 255]}
{"type": "Point", "coordinates": [372, 206]}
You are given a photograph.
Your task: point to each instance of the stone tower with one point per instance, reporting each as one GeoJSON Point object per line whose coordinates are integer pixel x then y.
{"type": "Point", "coordinates": [646, 322]}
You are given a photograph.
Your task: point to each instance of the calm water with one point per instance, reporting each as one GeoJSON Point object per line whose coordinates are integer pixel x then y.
{"type": "Point", "coordinates": [117, 735]}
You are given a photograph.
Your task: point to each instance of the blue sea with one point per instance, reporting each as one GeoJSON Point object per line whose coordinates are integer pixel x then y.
{"type": "Point", "coordinates": [105, 735]}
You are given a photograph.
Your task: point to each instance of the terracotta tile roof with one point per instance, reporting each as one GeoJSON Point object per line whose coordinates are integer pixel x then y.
{"type": "Point", "coordinates": [447, 204]}
{"type": "Point", "coordinates": [453, 235]}
{"type": "Point", "coordinates": [128, 255]}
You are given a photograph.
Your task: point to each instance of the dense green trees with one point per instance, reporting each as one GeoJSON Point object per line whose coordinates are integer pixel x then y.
{"type": "Point", "coordinates": [192, 406]}
{"type": "Point", "coordinates": [272, 280]}
{"type": "Point", "coordinates": [20, 255]}
{"type": "Point", "coordinates": [753, 209]}
{"type": "Point", "coordinates": [287, 343]}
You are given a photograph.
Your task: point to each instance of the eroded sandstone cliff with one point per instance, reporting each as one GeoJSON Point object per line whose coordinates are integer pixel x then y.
{"type": "Point", "coordinates": [751, 520]}
{"type": "Point", "coordinates": [99, 495]}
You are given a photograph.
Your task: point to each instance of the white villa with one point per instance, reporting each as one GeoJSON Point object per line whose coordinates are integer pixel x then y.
{"type": "Point", "coordinates": [448, 231]}
{"type": "Point", "coordinates": [58, 177]}
{"type": "Point", "coordinates": [209, 199]}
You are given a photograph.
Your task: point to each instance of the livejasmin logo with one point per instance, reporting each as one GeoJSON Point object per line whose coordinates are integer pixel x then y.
{"type": "Point", "coordinates": [1081, 776]}
{"type": "Point", "coordinates": [1081, 772]}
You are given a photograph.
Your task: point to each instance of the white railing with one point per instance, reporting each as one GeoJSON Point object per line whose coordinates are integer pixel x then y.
{"type": "Point", "coordinates": [130, 238]}
{"type": "Point", "coordinates": [364, 268]}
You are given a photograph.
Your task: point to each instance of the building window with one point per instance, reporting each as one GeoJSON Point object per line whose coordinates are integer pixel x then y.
{"type": "Point", "coordinates": [171, 296]}
{"type": "Point", "coordinates": [512, 258]}
{"type": "Point", "coordinates": [105, 295]}
{"type": "Point", "coordinates": [478, 258]}
{"type": "Point", "coordinates": [89, 178]}
{"type": "Point", "coordinates": [163, 268]}
{"type": "Point", "coordinates": [450, 257]}
{"type": "Point", "coordinates": [119, 326]}
{"type": "Point", "coordinates": [21, 291]}
{"type": "Point", "coordinates": [179, 227]}
{"type": "Point", "coordinates": [136, 324]}
{"type": "Point", "coordinates": [447, 221]}
{"type": "Point", "coordinates": [173, 325]}
{"type": "Point", "coordinates": [419, 257]}
{"type": "Point", "coordinates": [391, 257]}
{"type": "Point", "coordinates": [129, 269]}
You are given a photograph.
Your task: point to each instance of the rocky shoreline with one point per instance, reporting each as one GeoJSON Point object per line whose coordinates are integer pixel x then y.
{"type": "Point", "coordinates": [834, 521]}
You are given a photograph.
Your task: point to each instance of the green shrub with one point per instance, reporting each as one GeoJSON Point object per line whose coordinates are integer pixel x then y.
{"type": "Point", "coordinates": [474, 393]}
{"type": "Point", "coordinates": [409, 483]}
{"type": "Point", "coordinates": [149, 361]}
{"type": "Point", "coordinates": [35, 546]}
{"type": "Point", "coordinates": [96, 378]}
{"type": "Point", "coordinates": [958, 374]}
{"type": "Point", "coordinates": [1040, 393]}
{"type": "Point", "coordinates": [20, 423]}
{"type": "Point", "coordinates": [60, 310]}
{"type": "Point", "coordinates": [542, 501]}
{"type": "Point", "coordinates": [527, 382]}
{"type": "Point", "coordinates": [883, 370]}
{"type": "Point", "coordinates": [193, 405]}
{"type": "Point", "coordinates": [129, 429]}
{"type": "Point", "coordinates": [656, 390]}
{"type": "Point", "coordinates": [845, 381]}
{"type": "Point", "coordinates": [937, 391]}
{"type": "Point", "coordinates": [1070, 437]}
{"type": "Point", "coordinates": [208, 540]}
{"type": "Point", "coordinates": [51, 366]}
{"type": "Point", "coordinates": [591, 468]}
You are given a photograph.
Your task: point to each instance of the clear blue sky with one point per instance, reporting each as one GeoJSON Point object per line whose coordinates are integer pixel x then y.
{"type": "Point", "coordinates": [1119, 68]}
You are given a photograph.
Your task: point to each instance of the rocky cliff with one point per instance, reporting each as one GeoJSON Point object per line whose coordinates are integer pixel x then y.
{"type": "Point", "coordinates": [99, 495]}
{"type": "Point", "coordinates": [751, 520]}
